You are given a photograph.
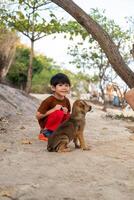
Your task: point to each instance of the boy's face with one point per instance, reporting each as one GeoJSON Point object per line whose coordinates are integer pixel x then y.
{"type": "Point", "coordinates": [61, 89]}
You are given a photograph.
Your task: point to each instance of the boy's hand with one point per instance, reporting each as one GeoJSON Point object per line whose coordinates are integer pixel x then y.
{"type": "Point", "coordinates": [58, 107]}
{"type": "Point", "coordinates": [65, 110]}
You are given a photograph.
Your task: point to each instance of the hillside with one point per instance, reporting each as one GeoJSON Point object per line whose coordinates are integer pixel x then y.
{"type": "Point", "coordinates": [14, 101]}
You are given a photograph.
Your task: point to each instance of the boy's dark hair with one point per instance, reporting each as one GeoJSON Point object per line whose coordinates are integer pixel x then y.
{"type": "Point", "coordinates": [59, 78]}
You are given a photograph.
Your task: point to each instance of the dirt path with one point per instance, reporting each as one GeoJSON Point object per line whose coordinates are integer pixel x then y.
{"type": "Point", "coordinates": [29, 172]}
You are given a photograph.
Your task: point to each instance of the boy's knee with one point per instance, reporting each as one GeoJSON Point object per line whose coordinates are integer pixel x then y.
{"type": "Point", "coordinates": [57, 114]}
{"type": "Point", "coordinates": [129, 96]}
{"type": "Point", "coordinates": [54, 120]}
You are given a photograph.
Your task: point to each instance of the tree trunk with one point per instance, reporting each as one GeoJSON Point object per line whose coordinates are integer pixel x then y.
{"type": "Point", "coordinates": [8, 41]}
{"type": "Point", "coordinates": [104, 40]}
{"type": "Point", "coordinates": [132, 50]}
{"type": "Point", "coordinates": [29, 74]}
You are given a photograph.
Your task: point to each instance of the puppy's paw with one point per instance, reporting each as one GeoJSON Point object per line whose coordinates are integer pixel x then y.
{"type": "Point", "coordinates": [64, 150]}
{"type": "Point", "coordinates": [77, 146]}
{"type": "Point", "coordinates": [86, 148]}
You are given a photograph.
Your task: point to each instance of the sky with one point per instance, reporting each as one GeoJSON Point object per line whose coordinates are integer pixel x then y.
{"type": "Point", "coordinates": [57, 48]}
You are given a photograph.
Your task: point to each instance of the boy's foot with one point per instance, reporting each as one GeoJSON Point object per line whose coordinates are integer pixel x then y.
{"type": "Point", "coordinates": [42, 137]}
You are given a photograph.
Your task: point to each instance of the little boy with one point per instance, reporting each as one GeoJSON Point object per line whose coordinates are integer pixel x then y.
{"type": "Point", "coordinates": [56, 108]}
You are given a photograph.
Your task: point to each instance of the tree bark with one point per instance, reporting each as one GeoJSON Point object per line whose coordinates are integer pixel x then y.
{"type": "Point", "coordinates": [30, 69]}
{"type": "Point", "coordinates": [101, 36]}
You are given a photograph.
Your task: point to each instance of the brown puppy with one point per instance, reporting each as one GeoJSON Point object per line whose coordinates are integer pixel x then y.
{"type": "Point", "coordinates": [71, 129]}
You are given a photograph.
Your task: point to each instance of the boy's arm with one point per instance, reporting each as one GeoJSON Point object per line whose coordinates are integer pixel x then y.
{"type": "Point", "coordinates": [41, 116]}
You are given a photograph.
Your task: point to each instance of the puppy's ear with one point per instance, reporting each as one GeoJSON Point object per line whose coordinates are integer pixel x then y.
{"type": "Point", "coordinates": [82, 104]}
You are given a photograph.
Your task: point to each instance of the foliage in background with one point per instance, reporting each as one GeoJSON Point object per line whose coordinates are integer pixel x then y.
{"type": "Point", "coordinates": [35, 20]}
{"type": "Point", "coordinates": [18, 71]}
{"type": "Point", "coordinates": [87, 54]}
{"type": "Point", "coordinates": [43, 69]}
{"type": "Point", "coordinates": [130, 21]}
{"type": "Point", "coordinates": [40, 81]}
{"type": "Point", "coordinates": [91, 57]}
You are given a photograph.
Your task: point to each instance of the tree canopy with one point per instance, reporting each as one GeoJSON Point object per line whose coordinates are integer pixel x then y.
{"type": "Point", "coordinates": [102, 37]}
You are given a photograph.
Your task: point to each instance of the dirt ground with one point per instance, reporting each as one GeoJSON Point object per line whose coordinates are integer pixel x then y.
{"type": "Point", "coordinates": [29, 172]}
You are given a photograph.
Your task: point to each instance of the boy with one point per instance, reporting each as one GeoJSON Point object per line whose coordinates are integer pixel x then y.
{"type": "Point", "coordinates": [56, 108]}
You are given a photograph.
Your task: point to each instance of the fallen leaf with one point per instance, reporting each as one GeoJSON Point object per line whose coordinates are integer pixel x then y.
{"type": "Point", "coordinates": [104, 128]}
{"type": "Point", "coordinates": [22, 127]}
{"type": "Point", "coordinates": [26, 141]}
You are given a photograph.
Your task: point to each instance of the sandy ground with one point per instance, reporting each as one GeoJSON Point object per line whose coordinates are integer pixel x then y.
{"type": "Point", "coordinates": [29, 172]}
